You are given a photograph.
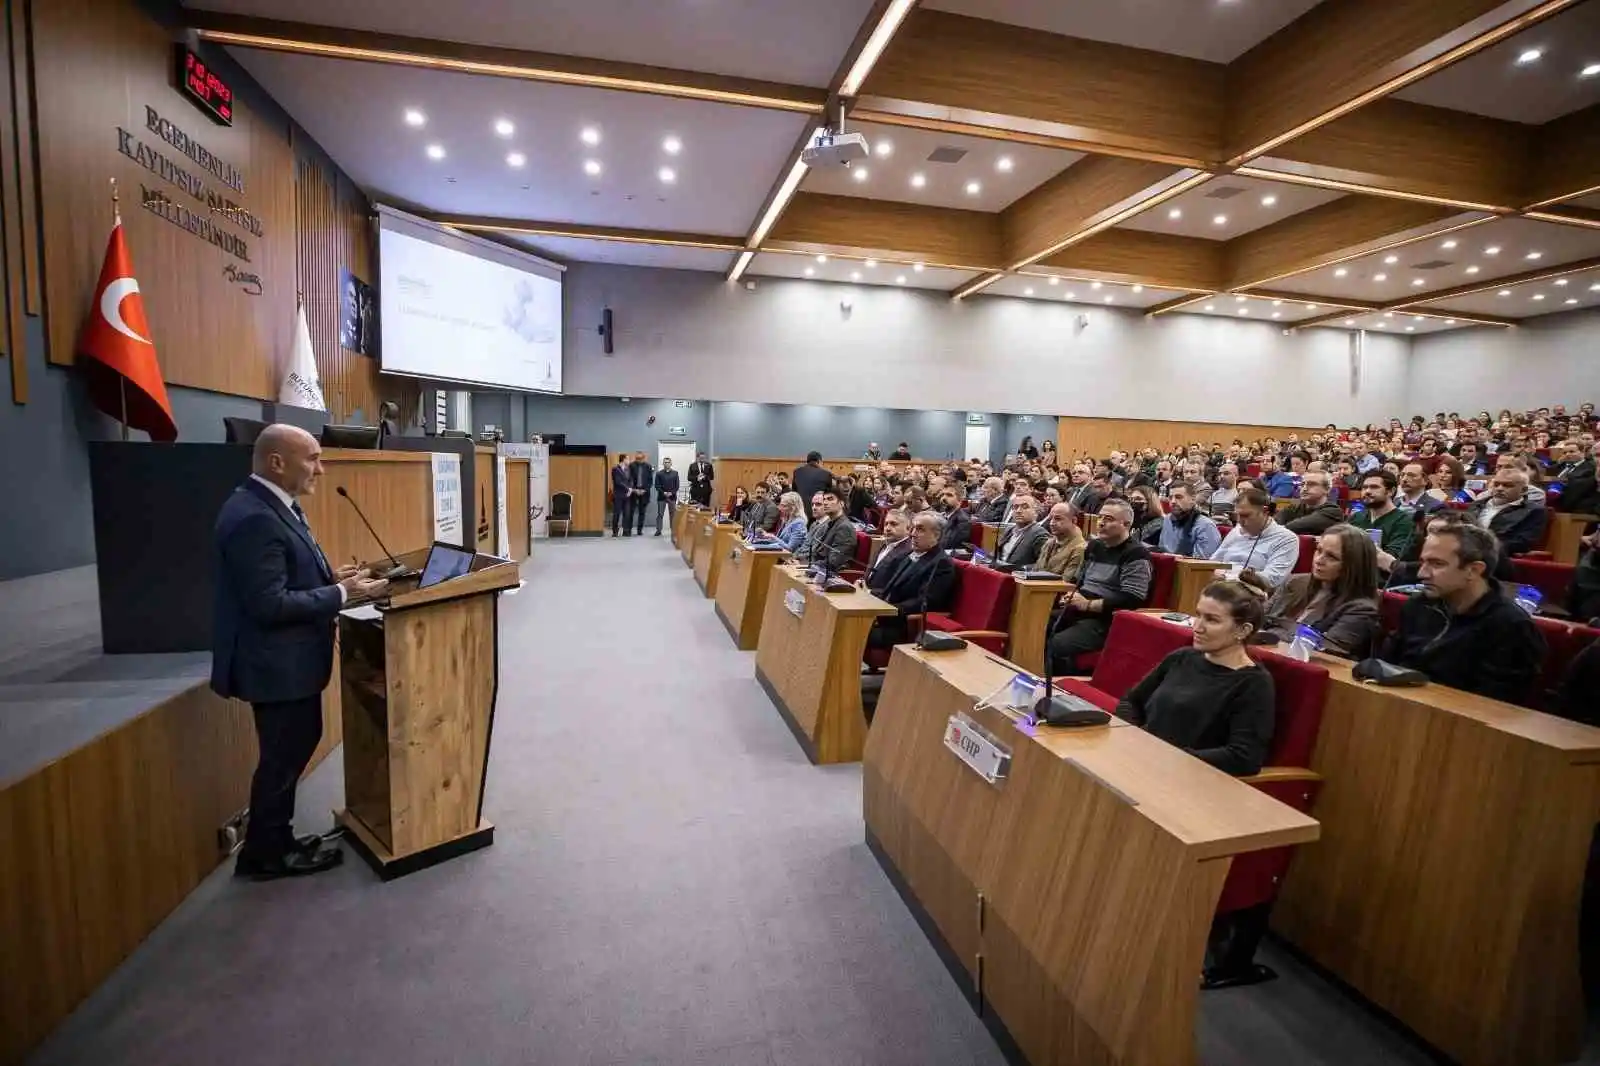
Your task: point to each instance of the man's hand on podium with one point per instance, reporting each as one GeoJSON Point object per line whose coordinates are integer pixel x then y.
{"type": "Point", "coordinates": [359, 584]}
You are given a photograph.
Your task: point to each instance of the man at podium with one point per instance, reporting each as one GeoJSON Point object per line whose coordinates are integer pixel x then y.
{"type": "Point", "coordinates": [276, 602]}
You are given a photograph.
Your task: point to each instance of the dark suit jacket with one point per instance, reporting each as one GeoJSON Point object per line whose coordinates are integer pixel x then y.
{"type": "Point", "coordinates": [1520, 527]}
{"type": "Point", "coordinates": [641, 475]}
{"type": "Point", "coordinates": [666, 484]}
{"type": "Point", "coordinates": [276, 599]}
{"type": "Point", "coordinates": [621, 482]}
{"type": "Point", "coordinates": [1579, 493]}
{"type": "Point", "coordinates": [935, 572]}
{"type": "Point", "coordinates": [701, 474]}
{"type": "Point", "coordinates": [957, 529]}
{"type": "Point", "coordinates": [810, 480]}
{"type": "Point", "coordinates": [836, 546]}
{"type": "Point", "coordinates": [992, 512]}
{"type": "Point", "coordinates": [885, 566]}
{"type": "Point", "coordinates": [1027, 552]}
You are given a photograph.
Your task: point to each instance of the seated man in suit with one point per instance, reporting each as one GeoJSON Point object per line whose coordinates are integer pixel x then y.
{"type": "Point", "coordinates": [1506, 511]}
{"type": "Point", "coordinates": [762, 514]}
{"type": "Point", "coordinates": [272, 639]}
{"type": "Point", "coordinates": [1579, 494]}
{"type": "Point", "coordinates": [896, 546]}
{"type": "Point", "coordinates": [924, 580]}
{"type": "Point", "coordinates": [957, 523]}
{"type": "Point", "coordinates": [1019, 545]}
{"type": "Point", "coordinates": [831, 540]}
{"type": "Point", "coordinates": [990, 504]}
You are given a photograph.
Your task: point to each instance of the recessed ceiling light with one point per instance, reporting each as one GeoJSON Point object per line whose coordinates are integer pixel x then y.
{"type": "Point", "coordinates": [858, 174]}
{"type": "Point", "coordinates": [917, 267]}
{"type": "Point", "coordinates": [591, 167]}
{"type": "Point", "coordinates": [884, 148]}
{"type": "Point", "coordinates": [1138, 288]}
{"type": "Point", "coordinates": [1416, 318]}
{"type": "Point", "coordinates": [1449, 321]}
{"type": "Point", "coordinates": [1447, 245]}
{"type": "Point", "coordinates": [672, 146]}
{"type": "Point", "coordinates": [1219, 220]}
{"type": "Point", "coordinates": [901, 280]}
{"type": "Point", "coordinates": [918, 181]}
{"type": "Point", "coordinates": [1349, 321]}
{"type": "Point", "coordinates": [1595, 287]}
{"type": "Point", "coordinates": [1277, 303]}
{"type": "Point", "coordinates": [1111, 299]}
{"type": "Point", "coordinates": [503, 127]}
{"type": "Point", "coordinates": [1532, 55]}
{"type": "Point", "coordinates": [1391, 259]}
{"type": "Point", "coordinates": [974, 188]}
{"type": "Point", "coordinates": [1341, 272]}
{"type": "Point", "coordinates": [1503, 292]}
{"type": "Point", "coordinates": [667, 175]}
{"type": "Point", "coordinates": [516, 159]}
{"type": "Point", "coordinates": [1411, 329]}
{"type": "Point", "coordinates": [1416, 283]}
{"type": "Point", "coordinates": [811, 271]}
{"type": "Point", "coordinates": [1378, 325]}
{"type": "Point", "coordinates": [1561, 281]}
{"type": "Point", "coordinates": [872, 264]}
{"type": "Point", "coordinates": [1244, 310]}
{"type": "Point", "coordinates": [1570, 300]}
{"type": "Point", "coordinates": [822, 259]}
{"type": "Point", "coordinates": [435, 151]}
{"type": "Point", "coordinates": [1493, 249]}
{"type": "Point", "coordinates": [855, 275]}
{"type": "Point", "coordinates": [590, 135]}
{"type": "Point", "coordinates": [1380, 277]}
{"type": "Point", "coordinates": [1277, 314]}
{"type": "Point", "coordinates": [1589, 71]}
{"type": "Point", "coordinates": [1069, 295]}
{"type": "Point", "coordinates": [1473, 269]}
{"type": "Point", "coordinates": [1538, 296]}
{"type": "Point", "coordinates": [1268, 200]}
{"type": "Point", "coordinates": [1239, 299]}
{"type": "Point", "coordinates": [1534, 255]}
{"type": "Point", "coordinates": [1311, 307]}
{"type": "Point", "coordinates": [1027, 292]}
{"type": "Point", "coordinates": [1004, 164]}
{"type": "Point", "coordinates": [1094, 285]}
{"type": "Point", "coordinates": [1055, 281]}
{"type": "Point", "coordinates": [1175, 213]}
{"type": "Point", "coordinates": [1388, 314]}
{"type": "Point", "coordinates": [1211, 307]}
{"type": "Point", "coordinates": [415, 118]}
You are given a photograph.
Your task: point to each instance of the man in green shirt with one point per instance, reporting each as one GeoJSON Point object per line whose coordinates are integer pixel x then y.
{"type": "Point", "coordinates": [1397, 526]}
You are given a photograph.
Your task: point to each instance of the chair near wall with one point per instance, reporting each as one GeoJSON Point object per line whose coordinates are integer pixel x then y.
{"type": "Point", "coordinates": [560, 511]}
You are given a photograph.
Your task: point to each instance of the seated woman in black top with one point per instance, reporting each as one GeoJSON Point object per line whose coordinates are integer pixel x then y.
{"type": "Point", "coordinates": [739, 505]}
{"type": "Point", "coordinates": [1211, 700]}
{"type": "Point", "coordinates": [1339, 598]}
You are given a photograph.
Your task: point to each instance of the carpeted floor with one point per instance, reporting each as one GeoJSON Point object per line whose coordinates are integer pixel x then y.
{"type": "Point", "coordinates": [671, 882]}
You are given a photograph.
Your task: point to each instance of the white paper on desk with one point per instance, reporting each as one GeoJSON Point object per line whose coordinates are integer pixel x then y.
{"type": "Point", "coordinates": [365, 612]}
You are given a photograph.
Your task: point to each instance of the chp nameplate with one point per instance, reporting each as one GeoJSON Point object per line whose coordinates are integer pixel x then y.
{"type": "Point", "coordinates": [974, 746]}
{"type": "Point", "coordinates": [795, 602]}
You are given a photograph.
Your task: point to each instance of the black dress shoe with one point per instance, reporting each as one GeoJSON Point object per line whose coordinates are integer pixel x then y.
{"type": "Point", "coordinates": [1214, 979]}
{"type": "Point", "coordinates": [306, 845]}
{"type": "Point", "coordinates": [289, 864]}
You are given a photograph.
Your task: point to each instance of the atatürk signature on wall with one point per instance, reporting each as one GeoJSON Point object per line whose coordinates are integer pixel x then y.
{"type": "Point", "coordinates": [250, 283]}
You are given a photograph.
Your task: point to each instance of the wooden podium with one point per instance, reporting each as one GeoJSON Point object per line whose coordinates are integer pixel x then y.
{"type": "Point", "coordinates": [418, 691]}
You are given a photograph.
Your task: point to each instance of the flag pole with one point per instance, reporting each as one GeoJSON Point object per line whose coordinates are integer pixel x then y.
{"type": "Point", "coordinates": [122, 382]}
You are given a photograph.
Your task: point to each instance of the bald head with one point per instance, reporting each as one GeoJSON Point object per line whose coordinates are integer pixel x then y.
{"type": "Point", "coordinates": [289, 457]}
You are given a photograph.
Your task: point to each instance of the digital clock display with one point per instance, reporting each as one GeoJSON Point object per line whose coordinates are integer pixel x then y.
{"type": "Point", "coordinates": [204, 87]}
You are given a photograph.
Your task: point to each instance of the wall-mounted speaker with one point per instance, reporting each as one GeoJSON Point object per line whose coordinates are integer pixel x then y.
{"type": "Point", "coordinates": [607, 331]}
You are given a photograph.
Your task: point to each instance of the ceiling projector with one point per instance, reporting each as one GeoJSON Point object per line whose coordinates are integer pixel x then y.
{"type": "Point", "coordinates": [834, 150]}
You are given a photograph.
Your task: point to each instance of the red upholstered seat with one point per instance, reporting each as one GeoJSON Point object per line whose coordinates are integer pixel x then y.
{"type": "Point", "coordinates": [1136, 643]}
{"type": "Point", "coordinates": [1300, 690]}
{"type": "Point", "coordinates": [1389, 610]}
{"type": "Point", "coordinates": [1252, 470]}
{"type": "Point", "coordinates": [981, 612]}
{"type": "Point", "coordinates": [1084, 687]}
{"type": "Point", "coordinates": [1550, 578]}
{"type": "Point", "coordinates": [1308, 549]}
{"type": "Point", "coordinates": [1224, 528]}
{"type": "Point", "coordinates": [1563, 641]}
{"type": "Point", "coordinates": [863, 548]}
{"type": "Point", "coordinates": [1163, 577]}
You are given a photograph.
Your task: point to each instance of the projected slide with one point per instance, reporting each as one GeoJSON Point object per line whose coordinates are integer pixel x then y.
{"type": "Point", "coordinates": [455, 316]}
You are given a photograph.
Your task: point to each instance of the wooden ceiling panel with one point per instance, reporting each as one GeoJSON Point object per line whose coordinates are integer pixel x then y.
{"type": "Point", "coordinates": [1566, 158]}
{"type": "Point", "coordinates": [976, 75]}
{"type": "Point", "coordinates": [1343, 53]}
{"type": "Point", "coordinates": [1392, 146]}
{"type": "Point", "coordinates": [1137, 257]}
{"type": "Point", "coordinates": [1089, 194]}
{"type": "Point", "coordinates": [1323, 235]}
{"type": "Point", "coordinates": [885, 229]}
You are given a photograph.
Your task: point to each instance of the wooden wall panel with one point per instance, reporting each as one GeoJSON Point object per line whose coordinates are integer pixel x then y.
{"type": "Point", "coordinates": [23, 105]}
{"type": "Point", "coordinates": [484, 520]}
{"type": "Point", "coordinates": [518, 521]}
{"type": "Point", "coordinates": [1087, 192]}
{"type": "Point", "coordinates": [11, 180]}
{"type": "Point", "coordinates": [818, 222]}
{"type": "Point", "coordinates": [588, 478]}
{"type": "Point", "coordinates": [1098, 437]}
{"type": "Point", "coordinates": [1142, 258]}
{"type": "Point", "coordinates": [100, 846]}
{"type": "Point", "coordinates": [99, 65]}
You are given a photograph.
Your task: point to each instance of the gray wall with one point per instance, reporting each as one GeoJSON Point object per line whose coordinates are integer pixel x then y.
{"type": "Point", "coordinates": [606, 420]}
{"type": "Point", "coordinates": [1546, 360]}
{"type": "Point", "coordinates": [43, 444]}
{"type": "Point", "coordinates": [689, 333]}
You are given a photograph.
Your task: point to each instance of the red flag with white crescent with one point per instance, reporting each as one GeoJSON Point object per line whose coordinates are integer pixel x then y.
{"type": "Point", "coordinates": [115, 348]}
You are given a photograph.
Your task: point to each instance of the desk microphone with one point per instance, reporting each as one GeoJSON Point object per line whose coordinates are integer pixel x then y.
{"type": "Point", "coordinates": [1065, 710]}
{"type": "Point", "coordinates": [398, 571]}
{"type": "Point", "coordinates": [928, 640]}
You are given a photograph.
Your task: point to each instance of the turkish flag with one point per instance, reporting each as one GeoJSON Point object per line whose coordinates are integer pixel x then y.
{"type": "Point", "coordinates": [115, 347]}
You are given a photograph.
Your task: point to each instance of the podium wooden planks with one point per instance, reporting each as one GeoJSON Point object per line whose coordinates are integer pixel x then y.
{"type": "Point", "coordinates": [1447, 887]}
{"type": "Point", "coordinates": [1565, 532]}
{"type": "Point", "coordinates": [1072, 898]}
{"type": "Point", "coordinates": [419, 683]}
{"type": "Point", "coordinates": [715, 541]}
{"type": "Point", "coordinates": [809, 661]}
{"type": "Point", "coordinates": [742, 591]}
{"type": "Point", "coordinates": [689, 535]}
{"type": "Point", "coordinates": [1191, 579]}
{"type": "Point", "coordinates": [1030, 617]}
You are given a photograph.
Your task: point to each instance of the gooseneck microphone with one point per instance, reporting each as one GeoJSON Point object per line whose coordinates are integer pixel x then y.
{"type": "Point", "coordinates": [928, 639]}
{"type": "Point", "coordinates": [1062, 711]}
{"type": "Point", "coordinates": [399, 570]}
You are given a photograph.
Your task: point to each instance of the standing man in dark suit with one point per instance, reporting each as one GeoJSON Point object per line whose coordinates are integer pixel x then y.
{"type": "Point", "coordinates": [666, 494]}
{"type": "Point", "coordinates": [701, 474]}
{"type": "Point", "coordinates": [641, 478]}
{"type": "Point", "coordinates": [926, 580]}
{"type": "Point", "coordinates": [621, 495]}
{"type": "Point", "coordinates": [811, 478]}
{"type": "Point", "coordinates": [272, 642]}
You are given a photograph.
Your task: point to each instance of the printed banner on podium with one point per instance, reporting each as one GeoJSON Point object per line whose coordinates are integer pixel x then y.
{"type": "Point", "coordinates": [502, 542]}
{"type": "Point", "coordinates": [447, 524]}
{"type": "Point", "coordinates": [539, 490]}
